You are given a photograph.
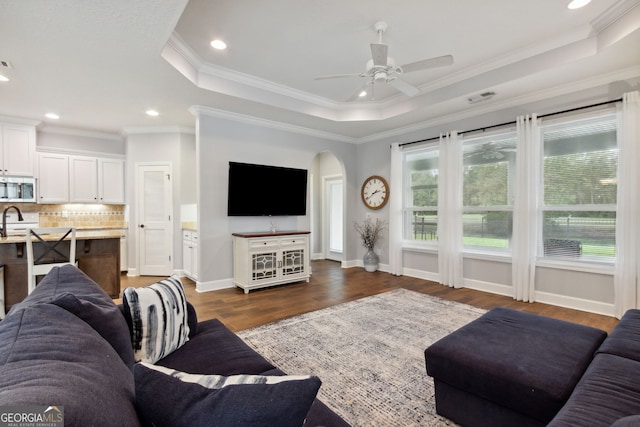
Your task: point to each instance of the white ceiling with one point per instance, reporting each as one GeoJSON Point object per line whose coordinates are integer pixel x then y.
{"type": "Point", "coordinates": [101, 64]}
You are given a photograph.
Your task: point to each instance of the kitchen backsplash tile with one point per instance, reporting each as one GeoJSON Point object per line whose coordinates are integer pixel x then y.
{"type": "Point", "coordinates": [79, 216]}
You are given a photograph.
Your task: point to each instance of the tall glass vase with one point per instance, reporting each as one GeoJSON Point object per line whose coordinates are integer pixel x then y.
{"type": "Point", "coordinates": [370, 260]}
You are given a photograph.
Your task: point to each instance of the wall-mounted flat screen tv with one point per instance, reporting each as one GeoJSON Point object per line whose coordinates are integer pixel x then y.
{"type": "Point", "coordinates": [261, 190]}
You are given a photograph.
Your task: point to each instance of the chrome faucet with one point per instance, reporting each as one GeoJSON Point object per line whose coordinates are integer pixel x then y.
{"type": "Point", "coordinates": [3, 230]}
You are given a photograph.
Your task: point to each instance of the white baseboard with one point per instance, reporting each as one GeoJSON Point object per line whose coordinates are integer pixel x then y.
{"type": "Point", "coordinates": [214, 285]}
{"type": "Point", "coordinates": [590, 306]}
{"type": "Point", "coordinates": [351, 264]}
{"type": "Point", "coordinates": [574, 303]}
{"type": "Point", "coordinates": [493, 288]}
{"type": "Point", "coordinates": [132, 272]}
{"type": "Point", "coordinates": [358, 263]}
{"type": "Point", "coordinates": [420, 274]}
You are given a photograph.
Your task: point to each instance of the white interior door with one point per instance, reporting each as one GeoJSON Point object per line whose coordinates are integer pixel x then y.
{"type": "Point", "coordinates": [334, 218]}
{"type": "Point", "coordinates": [154, 219]}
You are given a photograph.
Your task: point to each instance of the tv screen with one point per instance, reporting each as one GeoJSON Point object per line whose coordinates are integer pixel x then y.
{"type": "Point", "coordinates": [260, 190]}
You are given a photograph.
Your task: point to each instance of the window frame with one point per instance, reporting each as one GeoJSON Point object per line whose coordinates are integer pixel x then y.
{"type": "Point", "coordinates": [408, 210]}
{"type": "Point", "coordinates": [605, 115]}
{"type": "Point", "coordinates": [504, 134]}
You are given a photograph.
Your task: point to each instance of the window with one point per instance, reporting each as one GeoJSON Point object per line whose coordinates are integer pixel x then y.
{"type": "Point", "coordinates": [421, 198]}
{"type": "Point", "coordinates": [580, 186]}
{"type": "Point", "coordinates": [489, 168]}
{"type": "Point", "coordinates": [578, 190]}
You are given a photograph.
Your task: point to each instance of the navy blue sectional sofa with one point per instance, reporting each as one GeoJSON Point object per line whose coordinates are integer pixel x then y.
{"type": "Point", "coordinates": [511, 368]}
{"type": "Point", "coordinates": [609, 391]}
{"type": "Point", "coordinates": [67, 344]}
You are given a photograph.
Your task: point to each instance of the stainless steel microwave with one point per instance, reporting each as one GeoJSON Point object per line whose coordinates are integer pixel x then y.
{"type": "Point", "coordinates": [17, 189]}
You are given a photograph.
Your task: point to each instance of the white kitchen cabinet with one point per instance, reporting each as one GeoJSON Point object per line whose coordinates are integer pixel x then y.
{"type": "Point", "coordinates": [268, 259]}
{"type": "Point", "coordinates": [64, 178]}
{"type": "Point", "coordinates": [190, 254]}
{"type": "Point", "coordinates": [17, 150]}
{"type": "Point", "coordinates": [83, 178]}
{"type": "Point", "coordinates": [111, 181]}
{"type": "Point", "coordinates": [53, 178]}
{"type": "Point", "coordinates": [96, 180]}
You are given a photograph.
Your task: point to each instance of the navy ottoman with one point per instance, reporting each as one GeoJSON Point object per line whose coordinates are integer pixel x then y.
{"type": "Point", "coordinates": [509, 368]}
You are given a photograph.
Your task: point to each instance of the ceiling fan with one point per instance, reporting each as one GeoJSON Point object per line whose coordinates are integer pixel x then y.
{"type": "Point", "coordinates": [381, 68]}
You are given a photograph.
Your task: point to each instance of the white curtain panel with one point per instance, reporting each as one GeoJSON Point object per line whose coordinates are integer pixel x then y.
{"type": "Point", "coordinates": [395, 211]}
{"type": "Point", "coordinates": [627, 267]}
{"type": "Point", "coordinates": [525, 216]}
{"type": "Point", "coordinates": [450, 171]}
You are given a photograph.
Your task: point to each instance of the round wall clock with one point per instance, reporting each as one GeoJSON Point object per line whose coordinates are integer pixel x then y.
{"type": "Point", "coordinates": [375, 192]}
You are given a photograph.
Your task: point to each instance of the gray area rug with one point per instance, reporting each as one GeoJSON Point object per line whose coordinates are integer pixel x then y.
{"type": "Point", "coordinates": [369, 354]}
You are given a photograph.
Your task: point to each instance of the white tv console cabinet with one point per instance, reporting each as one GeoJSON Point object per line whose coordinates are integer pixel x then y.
{"type": "Point", "coordinates": [269, 259]}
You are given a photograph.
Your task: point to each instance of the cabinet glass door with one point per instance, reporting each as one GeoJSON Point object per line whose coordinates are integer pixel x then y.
{"type": "Point", "coordinates": [292, 262]}
{"type": "Point", "coordinates": [264, 266]}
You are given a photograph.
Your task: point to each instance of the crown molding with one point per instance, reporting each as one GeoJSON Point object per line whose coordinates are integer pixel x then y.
{"type": "Point", "coordinates": [497, 105]}
{"type": "Point", "coordinates": [80, 132]}
{"type": "Point", "coordinates": [199, 110]}
{"type": "Point", "coordinates": [204, 70]}
{"type": "Point", "coordinates": [138, 130]}
{"type": "Point", "coordinates": [613, 14]}
{"type": "Point", "coordinates": [19, 120]}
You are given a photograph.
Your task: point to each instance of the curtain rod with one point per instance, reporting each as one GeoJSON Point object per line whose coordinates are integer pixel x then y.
{"type": "Point", "coordinates": [514, 122]}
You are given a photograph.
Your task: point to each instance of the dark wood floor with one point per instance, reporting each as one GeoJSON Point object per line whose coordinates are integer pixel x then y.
{"type": "Point", "coordinates": [330, 285]}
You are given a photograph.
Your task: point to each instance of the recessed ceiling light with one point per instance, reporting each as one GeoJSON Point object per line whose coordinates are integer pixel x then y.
{"type": "Point", "coordinates": [576, 4]}
{"type": "Point", "coordinates": [152, 113]}
{"type": "Point", "coordinates": [3, 78]}
{"type": "Point", "coordinates": [52, 116]}
{"type": "Point", "coordinates": [218, 44]}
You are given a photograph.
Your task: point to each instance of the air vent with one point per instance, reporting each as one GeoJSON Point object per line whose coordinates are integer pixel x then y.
{"type": "Point", "coordinates": [5, 64]}
{"type": "Point", "coordinates": [480, 97]}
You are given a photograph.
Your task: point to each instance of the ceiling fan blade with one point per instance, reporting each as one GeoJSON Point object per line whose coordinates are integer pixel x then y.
{"type": "Point", "coordinates": [338, 76]}
{"type": "Point", "coordinates": [439, 61]}
{"type": "Point", "coordinates": [379, 54]}
{"type": "Point", "coordinates": [404, 87]}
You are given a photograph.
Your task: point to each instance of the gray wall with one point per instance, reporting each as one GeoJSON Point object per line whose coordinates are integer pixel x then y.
{"type": "Point", "coordinates": [80, 141]}
{"type": "Point", "coordinates": [220, 141]}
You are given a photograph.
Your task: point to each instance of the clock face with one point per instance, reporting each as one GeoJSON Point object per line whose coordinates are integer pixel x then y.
{"type": "Point", "coordinates": [375, 192]}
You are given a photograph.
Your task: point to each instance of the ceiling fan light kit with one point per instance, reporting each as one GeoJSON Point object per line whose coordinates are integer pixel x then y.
{"type": "Point", "coordinates": [382, 69]}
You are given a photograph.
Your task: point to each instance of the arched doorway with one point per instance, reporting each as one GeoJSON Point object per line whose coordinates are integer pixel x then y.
{"type": "Point", "coordinates": [328, 207]}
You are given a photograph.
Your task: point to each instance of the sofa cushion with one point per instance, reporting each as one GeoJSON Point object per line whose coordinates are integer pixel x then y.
{"type": "Point", "coordinates": [158, 318]}
{"type": "Point", "coordinates": [71, 289]}
{"type": "Point", "coordinates": [630, 421]}
{"type": "Point", "coordinates": [522, 361]}
{"type": "Point", "coordinates": [608, 390]}
{"type": "Point", "coordinates": [51, 357]}
{"type": "Point", "coordinates": [624, 340]}
{"type": "Point", "coordinates": [107, 320]}
{"type": "Point", "coordinates": [216, 350]}
{"type": "Point", "coordinates": [65, 279]}
{"type": "Point", "coordinates": [206, 400]}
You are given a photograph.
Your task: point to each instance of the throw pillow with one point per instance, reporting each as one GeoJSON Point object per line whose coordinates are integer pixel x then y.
{"type": "Point", "coordinates": [215, 400]}
{"type": "Point", "coordinates": [158, 319]}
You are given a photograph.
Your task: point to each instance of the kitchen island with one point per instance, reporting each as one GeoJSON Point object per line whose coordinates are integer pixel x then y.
{"type": "Point", "coordinates": [97, 253]}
